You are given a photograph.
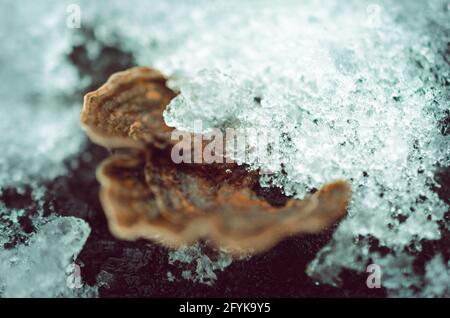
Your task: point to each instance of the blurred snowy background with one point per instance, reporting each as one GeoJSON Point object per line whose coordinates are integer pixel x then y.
{"type": "Point", "coordinates": [358, 89]}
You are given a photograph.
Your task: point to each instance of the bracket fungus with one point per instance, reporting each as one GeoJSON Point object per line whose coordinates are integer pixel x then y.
{"type": "Point", "coordinates": [126, 112]}
{"type": "Point", "coordinates": [146, 195]}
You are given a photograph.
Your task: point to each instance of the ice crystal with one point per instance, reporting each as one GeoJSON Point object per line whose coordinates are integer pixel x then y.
{"type": "Point", "coordinates": [40, 267]}
{"type": "Point", "coordinates": [204, 265]}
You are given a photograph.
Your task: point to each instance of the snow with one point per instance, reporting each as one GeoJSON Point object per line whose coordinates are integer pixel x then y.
{"type": "Point", "coordinates": [437, 281]}
{"type": "Point", "coordinates": [356, 103]}
{"type": "Point", "coordinates": [40, 268]}
{"type": "Point", "coordinates": [197, 265]}
{"type": "Point", "coordinates": [38, 133]}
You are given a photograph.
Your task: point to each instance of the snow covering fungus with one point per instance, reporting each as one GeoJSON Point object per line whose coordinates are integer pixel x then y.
{"type": "Point", "coordinates": [359, 94]}
{"type": "Point", "coordinates": [146, 195]}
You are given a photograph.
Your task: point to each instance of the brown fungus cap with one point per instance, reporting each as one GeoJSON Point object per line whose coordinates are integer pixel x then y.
{"type": "Point", "coordinates": [146, 195]}
{"type": "Point", "coordinates": [127, 110]}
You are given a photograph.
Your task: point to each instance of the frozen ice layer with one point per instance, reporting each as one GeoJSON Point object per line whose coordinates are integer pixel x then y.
{"type": "Point", "coordinates": [42, 267]}
{"type": "Point", "coordinates": [350, 100]}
